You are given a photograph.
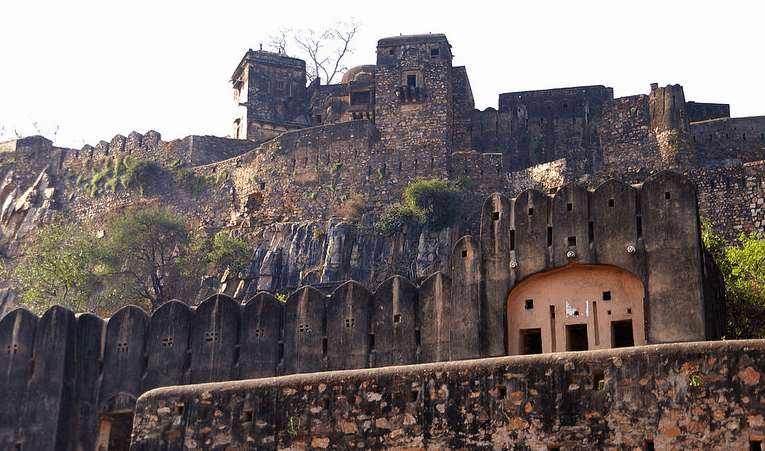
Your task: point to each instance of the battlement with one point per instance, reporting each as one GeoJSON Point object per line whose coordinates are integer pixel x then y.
{"type": "Point", "coordinates": [576, 270]}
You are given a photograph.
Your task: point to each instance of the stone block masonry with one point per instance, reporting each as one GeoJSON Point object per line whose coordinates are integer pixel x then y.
{"type": "Point", "coordinates": [662, 397]}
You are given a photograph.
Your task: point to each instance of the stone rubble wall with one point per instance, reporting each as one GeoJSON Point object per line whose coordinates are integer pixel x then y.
{"type": "Point", "coordinates": [676, 396]}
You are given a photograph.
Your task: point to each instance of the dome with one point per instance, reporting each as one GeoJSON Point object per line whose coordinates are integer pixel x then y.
{"type": "Point", "coordinates": [359, 73]}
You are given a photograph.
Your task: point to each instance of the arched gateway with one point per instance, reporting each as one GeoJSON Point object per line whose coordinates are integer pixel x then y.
{"type": "Point", "coordinates": [575, 308]}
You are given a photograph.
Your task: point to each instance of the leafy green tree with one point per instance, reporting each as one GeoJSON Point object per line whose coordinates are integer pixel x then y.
{"type": "Point", "coordinates": [147, 246]}
{"type": "Point", "coordinates": [435, 202]}
{"type": "Point", "coordinates": [60, 265]}
{"type": "Point", "coordinates": [743, 269]}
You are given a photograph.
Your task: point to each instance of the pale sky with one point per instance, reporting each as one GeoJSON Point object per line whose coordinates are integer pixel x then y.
{"type": "Point", "coordinates": [95, 69]}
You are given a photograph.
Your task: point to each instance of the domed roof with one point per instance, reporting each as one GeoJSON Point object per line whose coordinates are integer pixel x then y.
{"type": "Point", "coordinates": [358, 73]}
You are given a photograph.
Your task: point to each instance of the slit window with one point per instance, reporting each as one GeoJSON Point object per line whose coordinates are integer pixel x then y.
{"type": "Point", "coordinates": [667, 195]}
{"type": "Point", "coordinates": [512, 240]}
{"type": "Point", "coordinates": [569, 206]}
{"type": "Point", "coordinates": [549, 236]}
{"type": "Point", "coordinates": [590, 232]}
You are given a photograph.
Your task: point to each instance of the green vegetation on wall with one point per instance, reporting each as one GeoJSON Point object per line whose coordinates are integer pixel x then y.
{"type": "Point", "coordinates": [433, 203]}
{"type": "Point", "coordinates": [109, 174]}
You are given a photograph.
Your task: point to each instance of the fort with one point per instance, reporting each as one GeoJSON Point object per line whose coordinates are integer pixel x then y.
{"type": "Point", "coordinates": [572, 306]}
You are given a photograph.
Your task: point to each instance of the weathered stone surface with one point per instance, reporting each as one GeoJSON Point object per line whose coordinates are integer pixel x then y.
{"type": "Point", "coordinates": [576, 401]}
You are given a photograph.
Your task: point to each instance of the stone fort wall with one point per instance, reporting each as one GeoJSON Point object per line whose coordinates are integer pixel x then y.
{"type": "Point", "coordinates": [66, 372]}
{"type": "Point", "coordinates": [663, 397]}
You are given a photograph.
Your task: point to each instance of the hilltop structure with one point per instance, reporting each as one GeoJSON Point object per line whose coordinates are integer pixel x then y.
{"type": "Point", "coordinates": [580, 241]}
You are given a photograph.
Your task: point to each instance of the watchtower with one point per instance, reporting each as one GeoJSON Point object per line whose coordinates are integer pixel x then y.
{"type": "Point", "coordinates": [270, 91]}
{"type": "Point", "coordinates": [414, 87]}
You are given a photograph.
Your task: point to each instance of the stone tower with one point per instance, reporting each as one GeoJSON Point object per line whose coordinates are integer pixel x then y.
{"type": "Point", "coordinates": [270, 91]}
{"type": "Point", "coordinates": [414, 89]}
{"type": "Point", "coordinates": [670, 125]}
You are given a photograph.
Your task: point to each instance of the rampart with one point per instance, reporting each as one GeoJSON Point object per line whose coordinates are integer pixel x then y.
{"type": "Point", "coordinates": [194, 150]}
{"type": "Point", "coordinates": [730, 138]}
{"type": "Point", "coordinates": [663, 397]}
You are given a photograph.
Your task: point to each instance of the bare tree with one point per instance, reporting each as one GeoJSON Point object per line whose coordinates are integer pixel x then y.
{"type": "Point", "coordinates": [322, 50]}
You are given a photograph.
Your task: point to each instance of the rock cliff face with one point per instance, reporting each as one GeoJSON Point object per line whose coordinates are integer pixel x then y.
{"type": "Point", "coordinates": [327, 253]}
{"type": "Point", "coordinates": [23, 208]}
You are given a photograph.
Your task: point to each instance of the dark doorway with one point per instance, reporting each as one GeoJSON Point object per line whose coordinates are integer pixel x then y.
{"type": "Point", "coordinates": [621, 334]}
{"type": "Point", "coordinates": [532, 341]}
{"type": "Point", "coordinates": [576, 335]}
{"type": "Point", "coordinates": [115, 432]}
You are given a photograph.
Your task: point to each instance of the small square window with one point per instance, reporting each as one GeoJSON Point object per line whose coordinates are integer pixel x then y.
{"type": "Point", "coordinates": [606, 295]}
{"type": "Point", "coordinates": [572, 241]}
{"type": "Point", "coordinates": [610, 202]}
{"type": "Point", "coordinates": [411, 80]}
{"type": "Point", "coordinates": [529, 304]}
{"type": "Point", "coordinates": [569, 207]}
{"type": "Point", "coordinates": [434, 53]}
{"type": "Point", "coordinates": [495, 216]}
{"type": "Point", "coordinates": [531, 211]}
{"type": "Point", "coordinates": [667, 195]}
{"type": "Point", "coordinates": [397, 318]}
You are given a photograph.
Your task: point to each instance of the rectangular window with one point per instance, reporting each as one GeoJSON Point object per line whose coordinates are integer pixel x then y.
{"type": "Point", "coordinates": [434, 53]}
{"type": "Point", "coordinates": [361, 98]}
{"type": "Point", "coordinates": [411, 80]}
{"type": "Point", "coordinates": [621, 334]}
{"type": "Point", "coordinates": [531, 339]}
{"type": "Point", "coordinates": [576, 337]}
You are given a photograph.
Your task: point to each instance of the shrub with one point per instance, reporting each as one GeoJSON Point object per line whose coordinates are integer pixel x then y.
{"type": "Point", "coordinates": [435, 202]}
{"type": "Point", "coordinates": [353, 206]}
{"type": "Point", "coordinates": [393, 219]}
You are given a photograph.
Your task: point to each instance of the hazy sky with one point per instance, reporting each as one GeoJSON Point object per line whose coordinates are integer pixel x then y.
{"type": "Point", "coordinates": [99, 68]}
